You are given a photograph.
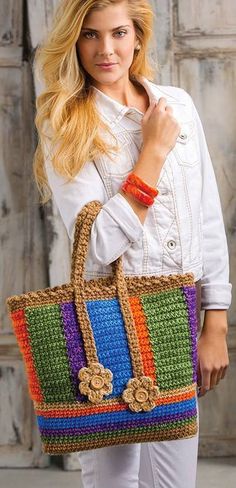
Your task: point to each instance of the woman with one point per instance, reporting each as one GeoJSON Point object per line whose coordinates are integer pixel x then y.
{"type": "Point", "coordinates": [99, 118]}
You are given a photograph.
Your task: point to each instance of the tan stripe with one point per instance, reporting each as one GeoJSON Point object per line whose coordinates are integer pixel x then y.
{"type": "Point", "coordinates": [99, 289]}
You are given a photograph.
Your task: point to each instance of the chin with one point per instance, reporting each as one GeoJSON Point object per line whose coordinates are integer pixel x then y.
{"type": "Point", "coordinates": [106, 77]}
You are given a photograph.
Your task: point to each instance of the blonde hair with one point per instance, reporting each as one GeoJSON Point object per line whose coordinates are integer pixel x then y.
{"type": "Point", "coordinates": [67, 103]}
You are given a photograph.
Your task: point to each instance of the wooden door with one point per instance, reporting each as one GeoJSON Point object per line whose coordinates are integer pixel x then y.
{"type": "Point", "coordinates": [196, 47]}
{"type": "Point", "coordinates": [23, 263]}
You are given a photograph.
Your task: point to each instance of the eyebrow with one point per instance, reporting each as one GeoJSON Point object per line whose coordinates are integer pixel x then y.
{"type": "Point", "coordinates": [112, 30]}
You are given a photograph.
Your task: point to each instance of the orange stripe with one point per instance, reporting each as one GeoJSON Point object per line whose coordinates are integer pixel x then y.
{"type": "Point", "coordinates": [107, 408]}
{"type": "Point", "coordinates": [21, 333]}
{"type": "Point", "coordinates": [143, 338]}
{"type": "Point", "coordinates": [176, 398]}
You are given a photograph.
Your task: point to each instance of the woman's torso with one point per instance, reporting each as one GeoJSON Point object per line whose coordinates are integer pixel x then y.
{"type": "Point", "coordinates": [172, 236]}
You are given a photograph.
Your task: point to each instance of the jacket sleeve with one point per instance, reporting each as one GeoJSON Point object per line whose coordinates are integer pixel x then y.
{"type": "Point", "coordinates": [115, 228]}
{"type": "Point", "coordinates": [215, 289]}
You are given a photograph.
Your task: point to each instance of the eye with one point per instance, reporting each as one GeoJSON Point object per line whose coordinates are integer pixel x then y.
{"type": "Point", "coordinates": [88, 34]}
{"type": "Point", "coordinates": [121, 32]}
{"type": "Point", "coordinates": [85, 34]}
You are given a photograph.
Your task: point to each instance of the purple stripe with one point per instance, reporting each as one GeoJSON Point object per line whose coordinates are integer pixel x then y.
{"type": "Point", "coordinates": [74, 344]}
{"type": "Point", "coordinates": [190, 294]}
{"type": "Point", "coordinates": [109, 427]}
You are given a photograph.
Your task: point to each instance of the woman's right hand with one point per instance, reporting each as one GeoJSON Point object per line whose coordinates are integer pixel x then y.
{"type": "Point", "coordinates": [159, 127]}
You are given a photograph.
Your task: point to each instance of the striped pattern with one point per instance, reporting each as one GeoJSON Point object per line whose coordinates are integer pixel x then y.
{"type": "Point", "coordinates": [191, 302]}
{"type": "Point", "coordinates": [51, 342]}
{"type": "Point", "coordinates": [106, 425]}
{"type": "Point", "coordinates": [74, 344]}
{"type": "Point", "coordinates": [111, 341]}
{"type": "Point", "coordinates": [143, 337]}
{"type": "Point", "coordinates": [49, 351]}
{"type": "Point", "coordinates": [22, 335]}
{"type": "Point", "coordinates": [167, 321]}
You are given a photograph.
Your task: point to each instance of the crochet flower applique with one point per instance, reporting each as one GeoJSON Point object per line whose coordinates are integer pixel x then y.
{"type": "Point", "coordinates": [140, 394]}
{"type": "Point", "coordinates": [96, 381]}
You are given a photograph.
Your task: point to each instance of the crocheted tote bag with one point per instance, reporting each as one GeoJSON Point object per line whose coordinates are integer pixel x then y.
{"type": "Point", "coordinates": [111, 360]}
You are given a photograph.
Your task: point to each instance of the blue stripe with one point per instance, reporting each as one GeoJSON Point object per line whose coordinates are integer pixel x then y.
{"type": "Point", "coordinates": [111, 341]}
{"type": "Point", "coordinates": [94, 419]}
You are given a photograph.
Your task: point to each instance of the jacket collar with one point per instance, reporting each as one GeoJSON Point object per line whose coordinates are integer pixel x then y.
{"type": "Point", "coordinates": [112, 111]}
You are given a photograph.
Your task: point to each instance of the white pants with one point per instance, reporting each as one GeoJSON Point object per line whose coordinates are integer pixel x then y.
{"type": "Point", "coordinates": [165, 464]}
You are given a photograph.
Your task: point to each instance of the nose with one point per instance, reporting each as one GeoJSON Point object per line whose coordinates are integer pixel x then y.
{"type": "Point", "coordinates": [105, 47]}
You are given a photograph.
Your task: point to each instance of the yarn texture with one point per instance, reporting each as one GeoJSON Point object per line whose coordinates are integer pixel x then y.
{"type": "Point", "coordinates": [111, 360]}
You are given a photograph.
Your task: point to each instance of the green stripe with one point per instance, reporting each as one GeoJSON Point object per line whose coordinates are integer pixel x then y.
{"type": "Point", "coordinates": [167, 321]}
{"type": "Point", "coordinates": [49, 351]}
{"type": "Point", "coordinates": [104, 435]}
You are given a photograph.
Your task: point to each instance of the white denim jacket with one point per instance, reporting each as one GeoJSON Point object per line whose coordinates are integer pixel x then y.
{"type": "Point", "coordinates": [184, 229]}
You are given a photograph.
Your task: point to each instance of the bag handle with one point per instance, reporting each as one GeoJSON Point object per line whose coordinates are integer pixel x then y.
{"type": "Point", "coordinates": [83, 227]}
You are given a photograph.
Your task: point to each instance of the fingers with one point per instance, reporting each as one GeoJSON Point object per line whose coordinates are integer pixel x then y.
{"type": "Point", "coordinates": [214, 378]}
{"type": "Point", "coordinates": [224, 372]}
{"type": "Point", "coordinates": [199, 377]}
{"type": "Point", "coordinates": [221, 373]}
{"type": "Point", "coordinates": [217, 375]}
{"type": "Point", "coordinates": [211, 367]}
{"type": "Point", "coordinates": [200, 391]}
{"type": "Point", "coordinates": [150, 109]}
{"type": "Point", "coordinates": [162, 103]}
{"type": "Point", "coordinates": [209, 380]}
{"type": "Point", "coordinates": [204, 381]}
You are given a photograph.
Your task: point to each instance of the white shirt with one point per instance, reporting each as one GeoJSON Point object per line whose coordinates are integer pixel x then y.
{"type": "Point", "coordinates": [184, 229]}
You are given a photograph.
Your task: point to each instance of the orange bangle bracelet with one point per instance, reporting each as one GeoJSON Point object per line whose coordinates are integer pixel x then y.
{"type": "Point", "coordinates": [139, 183]}
{"type": "Point", "coordinates": [137, 194]}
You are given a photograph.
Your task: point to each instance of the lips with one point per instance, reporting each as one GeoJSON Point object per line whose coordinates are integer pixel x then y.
{"type": "Point", "coordinates": [106, 64]}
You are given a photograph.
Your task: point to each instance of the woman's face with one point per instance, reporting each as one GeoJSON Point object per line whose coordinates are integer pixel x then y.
{"type": "Point", "coordinates": [107, 36]}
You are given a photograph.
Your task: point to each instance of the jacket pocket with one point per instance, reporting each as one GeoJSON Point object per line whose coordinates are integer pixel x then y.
{"type": "Point", "coordinates": [123, 161]}
{"type": "Point", "coordinates": [186, 150]}
{"type": "Point", "coordinates": [116, 172]}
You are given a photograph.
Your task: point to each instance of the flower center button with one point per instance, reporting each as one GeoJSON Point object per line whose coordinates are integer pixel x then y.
{"type": "Point", "coordinates": [97, 382]}
{"type": "Point", "coordinates": [141, 395]}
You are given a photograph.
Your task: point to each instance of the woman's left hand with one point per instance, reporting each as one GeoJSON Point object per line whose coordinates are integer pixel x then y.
{"type": "Point", "coordinates": [213, 358]}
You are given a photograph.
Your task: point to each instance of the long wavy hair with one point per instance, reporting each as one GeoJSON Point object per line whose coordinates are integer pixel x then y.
{"type": "Point", "coordinates": [66, 110]}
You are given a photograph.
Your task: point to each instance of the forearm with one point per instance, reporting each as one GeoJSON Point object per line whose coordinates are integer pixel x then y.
{"type": "Point", "coordinates": [215, 322]}
{"type": "Point", "coordinates": [148, 167]}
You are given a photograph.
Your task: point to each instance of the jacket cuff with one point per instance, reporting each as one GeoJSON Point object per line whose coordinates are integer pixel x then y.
{"type": "Point", "coordinates": [216, 296]}
{"type": "Point", "coordinates": [121, 211]}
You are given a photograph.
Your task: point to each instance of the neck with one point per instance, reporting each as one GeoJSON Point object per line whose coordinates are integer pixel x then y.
{"type": "Point", "coordinates": [123, 91]}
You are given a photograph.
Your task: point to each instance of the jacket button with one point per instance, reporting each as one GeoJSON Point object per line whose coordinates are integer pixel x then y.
{"type": "Point", "coordinates": [183, 136]}
{"type": "Point", "coordinates": [171, 245]}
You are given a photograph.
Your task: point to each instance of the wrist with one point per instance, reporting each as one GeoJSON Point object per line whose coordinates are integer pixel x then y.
{"type": "Point", "coordinates": [155, 153]}
{"type": "Point", "coordinates": [139, 195]}
{"type": "Point", "coordinates": [215, 322]}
